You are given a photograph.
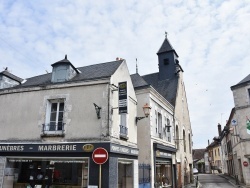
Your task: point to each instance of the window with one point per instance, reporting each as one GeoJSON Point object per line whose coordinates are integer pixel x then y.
{"type": "Point", "coordinates": [156, 121]}
{"type": "Point", "coordinates": [160, 125]}
{"type": "Point", "coordinates": [249, 94]}
{"type": "Point", "coordinates": [177, 137]}
{"type": "Point", "coordinates": [54, 116]}
{"type": "Point", "coordinates": [168, 131]}
{"type": "Point", "coordinates": [189, 140]}
{"type": "Point", "coordinates": [184, 140]}
{"type": "Point", "coordinates": [123, 126]}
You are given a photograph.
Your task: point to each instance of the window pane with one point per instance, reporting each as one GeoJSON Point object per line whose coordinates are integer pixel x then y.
{"type": "Point", "coordinates": [59, 126]}
{"type": "Point", "coordinates": [124, 120]}
{"type": "Point", "coordinates": [52, 126]}
{"type": "Point", "coordinates": [61, 107]}
{"type": "Point", "coordinates": [53, 116]}
{"type": "Point", "coordinates": [60, 117]}
{"type": "Point", "coordinates": [53, 107]}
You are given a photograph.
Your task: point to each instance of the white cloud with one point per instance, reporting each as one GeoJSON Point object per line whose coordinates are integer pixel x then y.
{"type": "Point", "coordinates": [211, 38]}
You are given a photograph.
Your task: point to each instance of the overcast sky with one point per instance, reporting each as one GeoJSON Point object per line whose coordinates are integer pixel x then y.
{"type": "Point", "coordinates": [212, 39]}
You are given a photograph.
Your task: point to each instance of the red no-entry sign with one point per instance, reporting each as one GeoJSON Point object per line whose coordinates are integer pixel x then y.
{"type": "Point", "coordinates": [245, 163]}
{"type": "Point", "coordinates": [100, 156]}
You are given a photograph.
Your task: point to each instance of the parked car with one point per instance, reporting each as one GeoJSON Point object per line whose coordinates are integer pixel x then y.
{"type": "Point", "coordinates": [195, 171]}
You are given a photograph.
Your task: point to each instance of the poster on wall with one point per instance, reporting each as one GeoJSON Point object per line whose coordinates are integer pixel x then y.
{"type": "Point", "coordinates": [122, 97]}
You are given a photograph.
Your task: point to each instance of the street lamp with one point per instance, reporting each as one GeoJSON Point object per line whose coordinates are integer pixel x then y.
{"type": "Point", "coordinates": [98, 110]}
{"type": "Point", "coordinates": [146, 109]}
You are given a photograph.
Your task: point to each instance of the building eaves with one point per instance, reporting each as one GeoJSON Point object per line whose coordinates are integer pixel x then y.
{"type": "Point", "coordinates": [91, 72]}
{"type": "Point", "coordinates": [11, 76]}
{"type": "Point", "coordinates": [244, 82]}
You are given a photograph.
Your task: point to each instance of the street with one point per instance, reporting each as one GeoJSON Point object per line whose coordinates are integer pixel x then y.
{"type": "Point", "coordinates": [213, 181]}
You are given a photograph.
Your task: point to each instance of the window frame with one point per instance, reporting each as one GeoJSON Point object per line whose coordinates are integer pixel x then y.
{"type": "Point", "coordinates": [47, 126]}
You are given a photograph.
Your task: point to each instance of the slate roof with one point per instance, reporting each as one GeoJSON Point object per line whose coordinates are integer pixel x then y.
{"type": "Point", "coordinates": [138, 81]}
{"type": "Point", "coordinates": [198, 154]}
{"type": "Point", "coordinates": [91, 72]}
{"type": "Point", "coordinates": [242, 82]}
{"type": "Point", "coordinates": [167, 88]}
{"type": "Point", "coordinates": [12, 76]}
{"type": "Point", "coordinates": [166, 47]}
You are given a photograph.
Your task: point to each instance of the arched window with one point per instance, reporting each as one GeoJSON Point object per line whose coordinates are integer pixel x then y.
{"type": "Point", "coordinates": [190, 144]}
{"type": "Point", "coordinates": [184, 140]}
{"type": "Point", "coordinates": [177, 137]}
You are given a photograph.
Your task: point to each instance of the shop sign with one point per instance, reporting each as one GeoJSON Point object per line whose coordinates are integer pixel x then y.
{"type": "Point", "coordinates": [124, 150]}
{"type": "Point", "coordinates": [88, 147]}
{"type": "Point", "coordinates": [122, 96]}
{"type": "Point", "coordinates": [100, 156]}
{"type": "Point", "coordinates": [162, 154]}
{"type": "Point", "coordinates": [76, 147]}
{"type": "Point", "coordinates": [245, 163]}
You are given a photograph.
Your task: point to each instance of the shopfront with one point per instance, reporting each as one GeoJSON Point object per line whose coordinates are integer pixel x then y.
{"type": "Point", "coordinates": [67, 165]}
{"type": "Point", "coordinates": [164, 169]}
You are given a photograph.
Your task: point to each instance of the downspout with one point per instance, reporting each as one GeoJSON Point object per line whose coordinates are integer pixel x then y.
{"type": "Point", "coordinates": [109, 110]}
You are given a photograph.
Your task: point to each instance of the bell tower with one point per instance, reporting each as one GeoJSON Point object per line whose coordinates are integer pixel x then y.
{"type": "Point", "coordinates": [167, 60]}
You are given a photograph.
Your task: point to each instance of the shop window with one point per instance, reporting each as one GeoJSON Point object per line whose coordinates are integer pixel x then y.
{"type": "Point", "coordinates": [54, 116]}
{"type": "Point", "coordinates": [163, 176]}
{"type": "Point", "coordinates": [125, 173]}
{"type": "Point", "coordinates": [49, 172]}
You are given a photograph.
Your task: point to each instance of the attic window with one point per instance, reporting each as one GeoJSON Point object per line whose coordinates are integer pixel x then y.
{"type": "Point", "coordinates": [166, 61]}
{"type": "Point", "coordinates": [63, 71]}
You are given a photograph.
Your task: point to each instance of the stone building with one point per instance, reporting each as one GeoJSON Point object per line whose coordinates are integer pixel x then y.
{"type": "Point", "coordinates": [52, 123]}
{"type": "Point", "coordinates": [167, 131]}
{"type": "Point", "coordinates": [240, 129]}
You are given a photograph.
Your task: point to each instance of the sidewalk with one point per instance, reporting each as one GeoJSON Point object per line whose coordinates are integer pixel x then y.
{"type": "Point", "coordinates": [232, 180]}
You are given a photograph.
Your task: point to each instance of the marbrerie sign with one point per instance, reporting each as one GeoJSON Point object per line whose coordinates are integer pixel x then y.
{"type": "Point", "coordinates": [65, 147]}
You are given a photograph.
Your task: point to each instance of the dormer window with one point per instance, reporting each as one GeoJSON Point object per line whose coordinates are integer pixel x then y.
{"type": "Point", "coordinates": [63, 71]}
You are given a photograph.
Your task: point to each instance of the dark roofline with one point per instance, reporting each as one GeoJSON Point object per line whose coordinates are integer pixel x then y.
{"type": "Point", "coordinates": [244, 82]}
{"type": "Point", "coordinates": [11, 76]}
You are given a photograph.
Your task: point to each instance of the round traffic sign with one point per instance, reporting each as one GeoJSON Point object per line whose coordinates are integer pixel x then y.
{"type": "Point", "coordinates": [100, 155]}
{"type": "Point", "coordinates": [245, 163]}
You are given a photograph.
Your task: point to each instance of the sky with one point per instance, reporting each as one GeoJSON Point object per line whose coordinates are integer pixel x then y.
{"type": "Point", "coordinates": [212, 39]}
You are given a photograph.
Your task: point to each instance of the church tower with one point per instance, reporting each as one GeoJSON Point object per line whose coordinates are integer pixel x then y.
{"type": "Point", "coordinates": [167, 61]}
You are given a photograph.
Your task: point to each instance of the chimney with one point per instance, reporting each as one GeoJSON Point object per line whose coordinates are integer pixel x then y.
{"type": "Point", "coordinates": [208, 142]}
{"type": "Point", "coordinates": [219, 129]}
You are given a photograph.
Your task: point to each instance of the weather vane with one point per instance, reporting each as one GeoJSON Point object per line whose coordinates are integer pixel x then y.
{"type": "Point", "coordinates": [166, 34]}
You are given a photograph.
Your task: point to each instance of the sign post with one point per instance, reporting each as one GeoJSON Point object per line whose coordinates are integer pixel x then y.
{"type": "Point", "coordinates": [100, 156]}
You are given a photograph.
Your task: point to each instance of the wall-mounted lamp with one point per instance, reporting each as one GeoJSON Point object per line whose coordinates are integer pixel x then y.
{"type": "Point", "coordinates": [146, 109]}
{"type": "Point", "coordinates": [98, 110]}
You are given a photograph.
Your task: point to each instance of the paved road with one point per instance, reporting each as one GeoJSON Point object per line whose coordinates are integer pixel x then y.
{"type": "Point", "coordinates": [214, 181]}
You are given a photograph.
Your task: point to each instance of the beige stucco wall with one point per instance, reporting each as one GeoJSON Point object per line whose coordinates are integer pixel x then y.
{"type": "Point", "coordinates": [182, 120]}
{"type": "Point", "coordinates": [147, 135]}
{"type": "Point", "coordinates": [24, 112]}
{"type": "Point", "coordinates": [121, 75]}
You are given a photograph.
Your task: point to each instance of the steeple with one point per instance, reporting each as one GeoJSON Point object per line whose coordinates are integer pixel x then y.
{"type": "Point", "coordinates": [167, 60]}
